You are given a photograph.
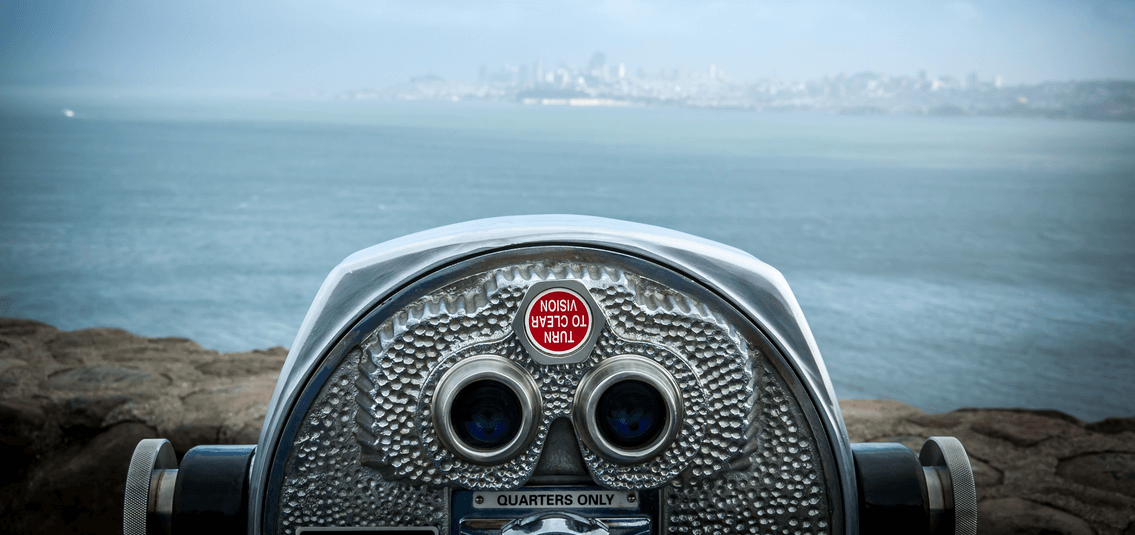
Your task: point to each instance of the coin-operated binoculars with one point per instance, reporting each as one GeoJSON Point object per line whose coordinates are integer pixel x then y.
{"type": "Point", "coordinates": [552, 375]}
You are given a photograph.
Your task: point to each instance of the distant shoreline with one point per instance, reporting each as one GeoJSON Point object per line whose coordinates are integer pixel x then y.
{"type": "Point", "coordinates": [1104, 100]}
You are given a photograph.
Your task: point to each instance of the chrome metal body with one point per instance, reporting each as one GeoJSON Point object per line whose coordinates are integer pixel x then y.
{"type": "Point", "coordinates": [555, 524]}
{"type": "Point", "coordinates": [602, 377]}
{"type": "Point", "coordinates": [163, 484]}
{"type": "Point", "coordinates": [366, 279]}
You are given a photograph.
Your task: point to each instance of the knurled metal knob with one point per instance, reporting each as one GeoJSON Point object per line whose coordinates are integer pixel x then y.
{"type": "Point", "coordinates": [945, 459]}
{"type": "Point", "coordinates": [151, 455]}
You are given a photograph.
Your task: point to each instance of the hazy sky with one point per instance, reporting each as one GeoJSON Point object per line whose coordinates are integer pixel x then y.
{"type": "Point", "coordinates": [348, 44]}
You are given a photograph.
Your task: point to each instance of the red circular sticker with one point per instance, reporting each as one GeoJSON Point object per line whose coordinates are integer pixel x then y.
{"type": "Point", "coordinates": [558, 321]}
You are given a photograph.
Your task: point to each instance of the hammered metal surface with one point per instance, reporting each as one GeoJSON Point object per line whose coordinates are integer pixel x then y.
{"type": "Point", "coordinates": [326, 485]}
{"type": "Point", "coordinates": [368, 436]}
{"type": "Point", "coordinates": [783, 489]}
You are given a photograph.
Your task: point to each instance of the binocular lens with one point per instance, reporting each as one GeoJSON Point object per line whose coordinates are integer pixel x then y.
{"type": "Point", "coordinates": [631, 414]}
{"type": "Point", "coordinates": [486, 414]}
{"type": "Point", "coordinates": [629, 408]}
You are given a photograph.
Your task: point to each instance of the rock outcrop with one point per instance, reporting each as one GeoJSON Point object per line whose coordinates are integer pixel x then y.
{"type": "Point", "coordinates": [74, 404]}
{"type": "Point", "coordinates": [1037, 472]}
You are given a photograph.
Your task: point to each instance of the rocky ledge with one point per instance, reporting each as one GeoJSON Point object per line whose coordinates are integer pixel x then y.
{"type": "Point", "coordinates": [74, 404]}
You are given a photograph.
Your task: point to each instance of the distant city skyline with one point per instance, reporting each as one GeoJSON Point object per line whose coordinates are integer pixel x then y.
{"type": "Point", "coordinates": [294, 46]}
{"type": "Point", "coordinates": [599, 83]}
{"type": "Point", "coordinates": [538, 71]}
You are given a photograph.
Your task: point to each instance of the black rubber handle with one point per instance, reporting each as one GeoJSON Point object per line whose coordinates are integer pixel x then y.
{"type": "Point", "coordinates": [212, 491]}
{"type": "Point", "coordinates": [892, 490]}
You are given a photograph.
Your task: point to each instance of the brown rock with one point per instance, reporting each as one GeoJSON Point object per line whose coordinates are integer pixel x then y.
{"type": "Point", "coordinates": [147, 349]}
{"type": "Point", "coordinates": [1114, 471]}
{"type": "Point", "coordinates": [8, 364]}
{"type": "Point", "coordinates": [100, 377]}
{"type": "Point", "coordinates": [81, 490]}
{"type": "Point", "coordinates": [236, 411]}
{"type": "Point", "coordinates": [946, 420]}
{"type": "Point", "coordinates": [23, 328]}
{"type": "Point", "coordinates": [1017, 454]}
{"type": "Point", "coordinates": [21, 421]}
{"type": "Point", "coordinates": [114, 446]}
{"type": "Point", "coordinates": [89, 411]}
{"type": "Point", "coordinates": [860, 409]}
{"type": "Point", "coordinates": [1014, 516]}
{"type": "Point", "coordinates": [984, 474]}
{"type": "Point", "coordinates": [1024, 429]}
{"type": "Point", "coordinates": [252, 363]}
{"type": "Point", "coordinates": [68, 349]}
{"type": "Point", "coordinates": [1113, 426]}
{"type": "Point", "coordinates": [872, 419]}
{"type": "Point", "coordinates": [16, 413]}
{"type": "Point", "coordinates": [72, 414]}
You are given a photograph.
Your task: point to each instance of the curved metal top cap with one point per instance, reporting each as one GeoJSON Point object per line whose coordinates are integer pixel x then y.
{"type": "Point", "coordinates": [367, 277]}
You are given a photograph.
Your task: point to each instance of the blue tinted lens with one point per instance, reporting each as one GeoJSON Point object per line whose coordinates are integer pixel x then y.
{"type": "Point", "coordinates": [486, 414]}
{"type": "Point", "coordinates": [631, 414]}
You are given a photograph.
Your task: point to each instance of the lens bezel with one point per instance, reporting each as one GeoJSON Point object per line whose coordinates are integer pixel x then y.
{"type": "Point", "coordinates": [486, 368]}
{"type": "Point", "coordinates": [609, 373]}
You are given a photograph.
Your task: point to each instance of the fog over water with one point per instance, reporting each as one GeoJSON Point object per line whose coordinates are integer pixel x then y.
{"type": "Point", "coordinates": [260, 47]}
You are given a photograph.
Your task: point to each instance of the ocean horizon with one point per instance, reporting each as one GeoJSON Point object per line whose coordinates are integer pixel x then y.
{"type": "Point", "coordinates": [945, 262]}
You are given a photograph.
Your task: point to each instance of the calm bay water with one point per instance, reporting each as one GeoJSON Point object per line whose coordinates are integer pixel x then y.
{"type": "Point", "coordinates": [942, 262]}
